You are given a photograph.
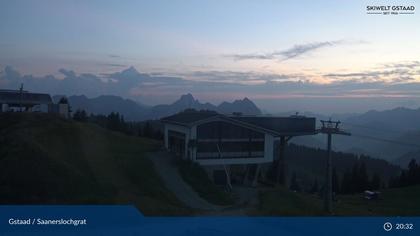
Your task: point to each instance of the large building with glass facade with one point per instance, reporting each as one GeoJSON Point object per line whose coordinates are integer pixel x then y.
{"type": "Point", "coordinates": [213, 139]}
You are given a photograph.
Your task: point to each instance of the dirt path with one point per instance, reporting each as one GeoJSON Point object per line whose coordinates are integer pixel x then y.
{"type": "Point", "coordinates": [247, 198]}
{"type": "Point", "coordinates": [174, 182]}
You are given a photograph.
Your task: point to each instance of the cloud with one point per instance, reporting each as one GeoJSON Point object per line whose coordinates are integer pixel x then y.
{"type": "Point", "coordinates": [249, 77]}
{"type": "Point", "coordinates": [114, 56]}
{"type": "Point", "coordinates": [406, 64]}
{"type": "Point", "coordinates": [114, 65]}
{"type": "Point", "coordinates": [251, 56]}
{"type": "Point", "coordinates": [10, 74]}
{"type": "Point", "coordinates": [301, 49]}
{"type": "Point", "coordinates": [392, 73]}
{"type": "Point", "coordinates": [219, 85]}
{"type": "Point", "coordinates": [293, 52]}
{"type": "Point", "coordinates": [67, 73]}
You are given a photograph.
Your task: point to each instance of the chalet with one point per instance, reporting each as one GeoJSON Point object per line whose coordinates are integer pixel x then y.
{"type": "Point", "coordinates": [24, 101]}
{"type": "Point", "coordinates": [219, 142]}
{"type": "Point", "coordinates": [16, 100]}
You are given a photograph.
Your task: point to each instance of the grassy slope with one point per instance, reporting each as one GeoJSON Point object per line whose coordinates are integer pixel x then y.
{"type": "Point", "coordinates": [394, 202]}
{"type": "Point", "coordinates": [198, 179]}
{"type": "Point", "coordinates": [398, 201]}
{"type": "Point", "coordinates": [46, 160]}
{"type": "Point", "coordinates": [281, 201]}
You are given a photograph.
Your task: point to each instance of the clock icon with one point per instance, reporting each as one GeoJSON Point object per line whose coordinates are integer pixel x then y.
{"type": "Point", "coordinates": [387, 226]}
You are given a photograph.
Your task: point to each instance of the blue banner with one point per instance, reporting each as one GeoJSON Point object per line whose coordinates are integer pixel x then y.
{"type": "Point", "coordinates": [127, 220]}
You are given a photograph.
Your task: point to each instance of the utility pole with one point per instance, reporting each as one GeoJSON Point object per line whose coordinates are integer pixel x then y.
{"type": "Point", "coordinates": [329, 127]}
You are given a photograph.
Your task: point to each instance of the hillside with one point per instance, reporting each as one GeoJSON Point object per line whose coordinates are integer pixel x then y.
{"type": "Point", "coordinates": [106, 104]}
{"type": "Point", "coordinates": [406, 158]}
{"type": "Point", "coordinates": [387, 134]}
{"type": "Point", "coordinates": [309, 164]}
{"type": "Point", "coordinates": [399, 125]}
{"type": "Point", "coordinates": [389, 119]}
{"type": "Point", "coordinates": [47, 160]}
{"type": "Point", "coordinates": [393, 202]}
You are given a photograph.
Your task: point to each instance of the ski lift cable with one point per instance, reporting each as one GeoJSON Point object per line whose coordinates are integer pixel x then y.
{"type": "Point", "coordinates": [387, 140]}
{"type": "Point", "coordinates": [373, 128]}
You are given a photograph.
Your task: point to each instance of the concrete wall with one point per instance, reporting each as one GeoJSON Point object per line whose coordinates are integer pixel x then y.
{"type": "Point", "coordinates": [4, 107]}
{"type": "Point", "coordinates": [181, 129]}
{"type": "Point", "coordinates": [44, 108]}
{"type": "Point", "coordinates": [63, 110]}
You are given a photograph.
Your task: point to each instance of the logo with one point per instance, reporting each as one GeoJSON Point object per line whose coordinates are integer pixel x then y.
{"type": "Point", "coordinates": [390, 10]}
{"type": "Point", "coordinates": [387, 226]}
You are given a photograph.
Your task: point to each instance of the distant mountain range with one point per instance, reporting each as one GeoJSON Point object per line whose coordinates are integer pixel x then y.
{"type": "Point", "coordinates": [393, 135]}
{"type": "Point", "coordinates": [399, 119]}
{"type": "Point", "coordinates": [106, 104]}
{"type": "Point", "coordinates": [406, 158]}
{"type": "Point", "coordinates": [134, 111]}
{"type": "Point", "coordinates": [388, 134]}
{"type": "Point", "coordinates": [244, 106]}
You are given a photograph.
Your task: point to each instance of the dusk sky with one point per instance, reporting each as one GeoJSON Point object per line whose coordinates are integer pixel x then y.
{"type": "Point", "coordinates": [266, 50]}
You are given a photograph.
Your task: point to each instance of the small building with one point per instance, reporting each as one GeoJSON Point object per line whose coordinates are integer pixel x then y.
{"type": "Point", "coordinates": [24, 101]}
{"type": "Point", "coordinates": [218, 141]}
{"type": "Point", "coordinates": [17, 100]}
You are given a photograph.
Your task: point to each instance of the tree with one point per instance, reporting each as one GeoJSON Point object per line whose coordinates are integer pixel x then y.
{"type": "Point", "coordinates": [363, 178]}
{"type": "Point", "coordinates": [315, 187]}
{"type": "Point", "coordinates": [412, 173]}
{"type": "Point", "coordinates": [346, 182]}
{"type": "Point", "coordinates": [335, 184]}
{"type": "Point", "coordinates": [375, 183]}
{"type": "Point", "coordinates": [354, 182]}
{"type": "Point", "coordinates": [147, 130]}
{"type": "Point", "coordinates": [63, 100]}
{"type": "Point", "coordinates": [80, 115]}
{"type": "Point", "coordinates": [403, 182]}
{"type": "Point", "coordinates": [393, 182]}
{"type": "Point", "coordinates": [407, 177]}
{"type": "Point", "coordinates": [294, 185]}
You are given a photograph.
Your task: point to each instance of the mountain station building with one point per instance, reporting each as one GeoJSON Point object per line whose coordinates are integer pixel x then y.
{"type": "Point", "coordinates": [221, 143]}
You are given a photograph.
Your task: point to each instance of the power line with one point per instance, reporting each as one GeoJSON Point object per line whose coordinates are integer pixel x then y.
{"type": "Point", "coordinates": [373, 128]}
{"type": "Point", "coordinates": [386, 140]}
{"type": "Point", "coordinates": [381, 139]}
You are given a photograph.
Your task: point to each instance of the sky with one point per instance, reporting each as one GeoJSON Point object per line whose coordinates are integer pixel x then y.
{"type": "Point", "coordinates": [282, 54]}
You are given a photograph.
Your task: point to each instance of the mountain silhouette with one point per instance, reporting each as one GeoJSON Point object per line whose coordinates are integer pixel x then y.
{"type": "Point", "coordinates": [134, 111]}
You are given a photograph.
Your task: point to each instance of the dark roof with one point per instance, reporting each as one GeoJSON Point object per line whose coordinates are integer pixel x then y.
{"type": "Point", "coordinates": [276, 125]}
{"type": "Point", "coordinates": [14, 97]}
{"type": "Point", "coordinates": [189, 117]}
{"type": "Point", "coordinates": [280, 124]}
